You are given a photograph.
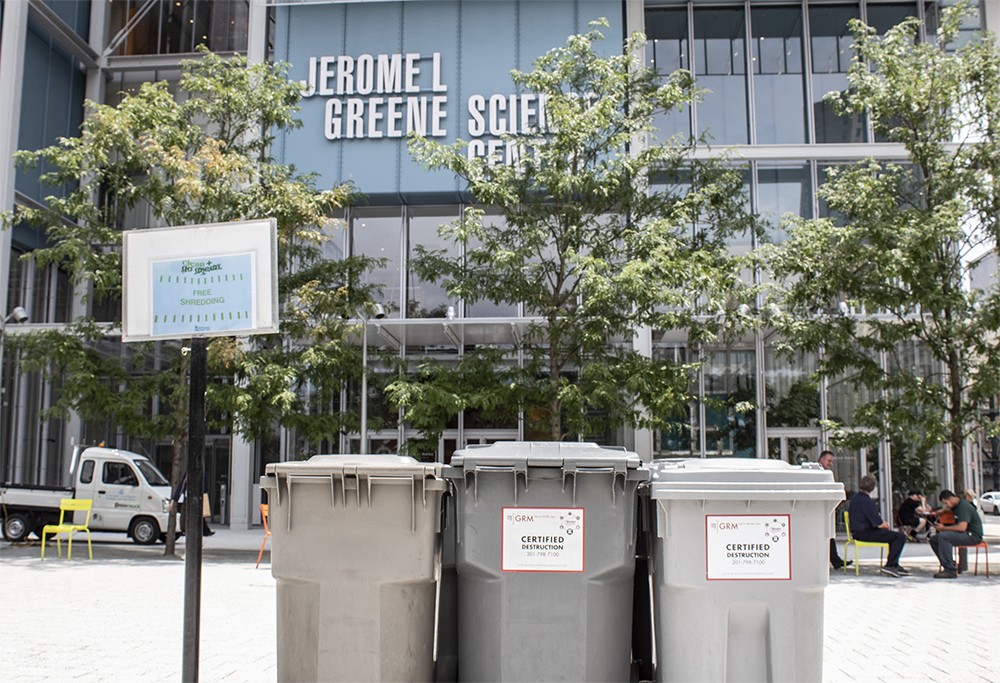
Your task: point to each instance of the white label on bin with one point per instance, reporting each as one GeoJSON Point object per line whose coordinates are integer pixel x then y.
{"type": "Point", "coordinates": [542, 540]}
{"type": "Point", "coordinates": [748, 547]}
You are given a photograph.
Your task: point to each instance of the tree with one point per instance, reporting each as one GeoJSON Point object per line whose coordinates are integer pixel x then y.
{"type": "Point", "coordinates": [890, 269]}
{"type": "Point", "coordinates": [200, 155]}
{"type": "Point", "coordinates": [589, 251]}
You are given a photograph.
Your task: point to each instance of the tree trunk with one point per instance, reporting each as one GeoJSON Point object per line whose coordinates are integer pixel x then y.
{"type": "Point", "coordinates": [555, 406]}
{"type": "Point", "coordinates": [177, 447]}
{"type": "Point", "coordinates": [957, 429]}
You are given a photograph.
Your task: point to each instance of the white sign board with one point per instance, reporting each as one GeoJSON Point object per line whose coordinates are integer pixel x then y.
{"type": "Point", "coordinates": [748, 547]}
{"type": "Point", "coordinates": [200, 281]}
{"type": "Point", "coordinates": [542, 540]}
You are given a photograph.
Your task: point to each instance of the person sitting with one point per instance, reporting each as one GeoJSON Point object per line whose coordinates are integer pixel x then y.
{"type": "Point", "coordinates": [867, 525]}
{"type": "Point", "coordinates": [967, 529]}
{"type": "Point", "coordinates": [825, 461]}
{"type": "Point", "coordinates": [912, 516]}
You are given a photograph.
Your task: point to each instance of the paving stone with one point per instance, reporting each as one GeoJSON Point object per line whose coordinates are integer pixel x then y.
{"type": "Point", "coordinates": [120, 616]}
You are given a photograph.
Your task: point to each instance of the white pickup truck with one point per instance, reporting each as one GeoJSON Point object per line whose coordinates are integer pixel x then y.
{"type": "Point", "coordinates": [129, 495]}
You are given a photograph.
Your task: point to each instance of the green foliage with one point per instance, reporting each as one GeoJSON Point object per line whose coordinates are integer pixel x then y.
{"type": "Point", "coordinates": [197, 153]}
{"type": "Point", "coordinates": [891, 267]}
{"type": "Point", "coordinates": [572, 233]}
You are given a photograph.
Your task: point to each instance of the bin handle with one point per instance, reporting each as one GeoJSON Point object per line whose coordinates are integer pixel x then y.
{"type": "Point", "coordinates": [618, 472]}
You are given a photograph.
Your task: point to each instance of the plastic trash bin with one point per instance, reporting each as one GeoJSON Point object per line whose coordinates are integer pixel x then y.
{"type": "Point", "coordinates": [355, 549]}
{"type": "Point", "coordinates": [739, 556]}
{"type": "Point", "coordinates": [544, 552]}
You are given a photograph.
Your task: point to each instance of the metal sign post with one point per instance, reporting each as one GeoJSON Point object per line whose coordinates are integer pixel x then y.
{"type": "Point", "coordinates": [195, 282]}
{"type": "Point", "coordinates": [193, 508]}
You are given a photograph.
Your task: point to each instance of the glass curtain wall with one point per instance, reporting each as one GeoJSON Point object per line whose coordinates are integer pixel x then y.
{"type": "Point", "coordinates": [789, 75]}
{"type": "Point", "coordinates": [426, 299]}
{"type": "Point", "coordinates": [180, 26]}
{"type": "Point", "coordinates": [830, 45]}
{"type": "Point", "coordinates": [730, 379]}
{"type": "Point", "coordinates": [792, 394]}
{"type": "Point", "coordinates": [779, 84]}
{"type": "Point", "coordinates": [720, 67]}
{"type": "Point", "coordinates": [782, 189]}
{"type": "Point", "coordinates": [666, 53]}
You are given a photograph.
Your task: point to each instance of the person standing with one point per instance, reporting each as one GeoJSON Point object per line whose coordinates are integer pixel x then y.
{"type": "Point", "coordinates": [825, 461]}
{"type": "Point", "coordinates": [179, 495]}
{"type": "Point", "coordinates": [967, 530]}
{"type": "Point", "coordinates": [867, 525]}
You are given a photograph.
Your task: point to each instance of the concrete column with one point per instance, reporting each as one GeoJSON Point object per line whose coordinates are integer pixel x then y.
{"type": "Point", "coordinates": [991, 8]}
{"type": "Point", "coordinates": [242, 477]}
{"type": "Point", "coordinates": [12, 42]}
{"type": "Point", "coordinates": [257, 32]}
{"type": "Point", "coordinates": [241, 501]}
{"type": "Point", "coordinates": [643, 344]}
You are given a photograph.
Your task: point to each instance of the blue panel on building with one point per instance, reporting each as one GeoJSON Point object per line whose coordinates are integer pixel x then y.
{"type": "Point", "coordinates": [377, 70]}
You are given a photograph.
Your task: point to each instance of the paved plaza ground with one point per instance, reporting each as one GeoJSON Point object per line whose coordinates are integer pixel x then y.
{"type": "Point", "coordinates": [119, 617]}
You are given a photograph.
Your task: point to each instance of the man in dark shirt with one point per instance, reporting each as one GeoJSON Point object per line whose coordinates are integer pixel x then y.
{"type": "Point", "coordinates": [967, 530]}
{"type": "Point", "coordinates": [867, 525]}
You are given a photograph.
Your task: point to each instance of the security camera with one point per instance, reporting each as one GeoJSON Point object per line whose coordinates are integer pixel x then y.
{"type": "Point", "coordinates": [19, 315]}
{"type": "Point", "coordinates": [378, 311]}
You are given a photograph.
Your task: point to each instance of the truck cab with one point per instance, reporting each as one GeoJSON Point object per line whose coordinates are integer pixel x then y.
{"type": "Point", "coordinates": [129, 493]}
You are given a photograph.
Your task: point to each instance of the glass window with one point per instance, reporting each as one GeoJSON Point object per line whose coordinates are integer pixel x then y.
{"type": "Point", "coordinates": [778, 76]}
{"type": "Point", "coordinates": [153, 475]}
{"type": "Point", "coordinates": [967, 30]}
{"type": "Point", "coordinates": [782, 190]}
{"type": "Point", "coordinates": [720, 66]}
{"type": "Point", "coordinates": [178, 26]}
{"type": "Point", "coordinates": [87, 472]}
{"type": "Point", "coordinates": [119, 473]}
{"type": "Point", "coordinates": [792, 395]}
{"type": "Point", "coordinates": [681, 436]}
{"type": "Point", "coordinates": [666, 52]}
{"type": "Point", "coordinates": [485, 308]}
{"type": "Point", "coordinates": [717, 221]}
{"type": "Point", "coordinates": [378, 233]}
{"type": "Point", "coordinates": [424, 298]}
{"type": "Point", "coordinates": [730, 385]}
{"type": "Point", "coordinates": [831, 57]}
{"type": "Point", "coordinates": [883, 17]}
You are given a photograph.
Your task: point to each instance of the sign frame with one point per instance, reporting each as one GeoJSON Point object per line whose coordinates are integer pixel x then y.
{"type": "Point", "coordinates": [716, 568]}
{"type": "Point", "coordinates": [566, 560]}
{"type": "Point", "coordinates": [250, 245]}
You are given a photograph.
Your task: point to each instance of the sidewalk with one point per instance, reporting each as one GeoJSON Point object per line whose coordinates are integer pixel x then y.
{"type": "Point", "coordinates": [120, 616]}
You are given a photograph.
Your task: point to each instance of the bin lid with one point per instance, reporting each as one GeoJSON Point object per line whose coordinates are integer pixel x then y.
{"type": "Point", "coordinates": [353, 464]}
{"type": "Point", "coordinates": [741, 479]}
{"type": "Point", "coordinates": [544, 454]}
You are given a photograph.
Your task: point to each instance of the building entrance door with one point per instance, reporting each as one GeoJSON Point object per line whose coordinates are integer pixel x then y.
{"type": "Point", "coordinates": [217, 477]}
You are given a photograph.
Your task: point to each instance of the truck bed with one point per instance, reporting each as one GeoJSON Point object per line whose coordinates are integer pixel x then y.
{"type": "Point", "coordinates": [33, 496]}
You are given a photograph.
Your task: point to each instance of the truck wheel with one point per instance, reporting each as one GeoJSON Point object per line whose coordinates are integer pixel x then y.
{"type": "Point", "coordinates": [145, 531]}
{"type": "Point", "coordinates": [16, 527]}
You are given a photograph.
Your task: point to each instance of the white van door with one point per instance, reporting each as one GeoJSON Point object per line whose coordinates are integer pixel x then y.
{"type": "Point", "coordinates": [86, 481]}
{"type": "Point", "coordinates": [117, 495]}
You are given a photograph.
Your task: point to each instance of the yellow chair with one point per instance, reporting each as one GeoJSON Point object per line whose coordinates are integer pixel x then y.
{"type": "Point", "coordinates": [70, 505]}
{"type": "Point", "coordinates": [883, 551]}
{"type": "Point", "coordinates": [267, 531]}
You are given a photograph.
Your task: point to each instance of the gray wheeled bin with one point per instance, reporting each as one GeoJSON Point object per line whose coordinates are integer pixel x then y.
{"type": "Point", "coordinates": [739, 556]}
{"type": "Point", "coordinates": [355, 551]}
{"type": "Point", "coordinates": [545, 552]}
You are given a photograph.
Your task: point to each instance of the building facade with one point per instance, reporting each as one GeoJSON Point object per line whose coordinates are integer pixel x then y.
{"type": "Point", "coordinates": [371, 71]}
